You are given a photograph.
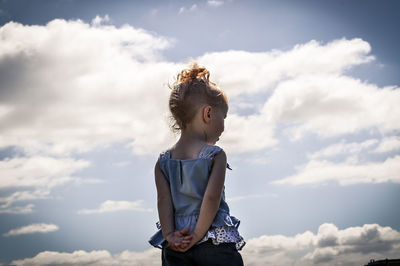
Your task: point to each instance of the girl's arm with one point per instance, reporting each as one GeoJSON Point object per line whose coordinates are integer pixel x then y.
{"type": "Point", "coordinates": [164, 202]}
{"type": "Point", "coordinates": [212, 197]}
{"type": "Point", "coordinates": [176, 239]}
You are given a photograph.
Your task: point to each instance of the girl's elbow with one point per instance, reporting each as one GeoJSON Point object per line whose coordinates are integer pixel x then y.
{"type": "Point", "coordinates": [212, 198]}
{"type": "Point", "coordinates": [161, 199]}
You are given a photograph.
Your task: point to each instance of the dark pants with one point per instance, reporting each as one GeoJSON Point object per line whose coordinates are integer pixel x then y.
{"type": "Point", "coordinates": [206, 254]}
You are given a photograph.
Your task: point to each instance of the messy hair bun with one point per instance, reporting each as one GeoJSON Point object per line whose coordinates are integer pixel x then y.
{"type": "Point", "coordinates": [192, 73]}
{"type": "Point", "coordinates": [191, 90]}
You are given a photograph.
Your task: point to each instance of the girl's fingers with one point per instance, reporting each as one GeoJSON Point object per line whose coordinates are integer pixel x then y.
{"type": "Point", "coordinates": [184, 231]}
{"type": "Point", "coordinates": [180, 248]}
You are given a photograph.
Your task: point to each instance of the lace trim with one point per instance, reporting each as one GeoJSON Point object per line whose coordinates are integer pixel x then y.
{"type": "Point", "coordinates": [224, 234]}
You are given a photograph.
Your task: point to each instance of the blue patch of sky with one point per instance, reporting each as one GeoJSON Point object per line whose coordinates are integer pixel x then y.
{"type": "Point", "coordinates": [10, 152]}
{"type": "Point", "coordinates": [300, 208]}
{"type": "Point", "coordinates": [127, 182]}
{"type": "Point", "coordinates": [248, 104]}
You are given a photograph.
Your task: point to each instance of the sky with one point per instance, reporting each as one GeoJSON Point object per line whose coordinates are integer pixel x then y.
{"type": "Point", "coordinates": [312, 133]}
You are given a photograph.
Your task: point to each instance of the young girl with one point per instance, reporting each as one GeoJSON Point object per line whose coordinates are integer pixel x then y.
{"type": "Point", "coordinates": [196, 227]}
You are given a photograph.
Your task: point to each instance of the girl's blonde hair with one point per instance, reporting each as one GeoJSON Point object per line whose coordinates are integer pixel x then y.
{"type": "Point", "coordinates": [191, 90]}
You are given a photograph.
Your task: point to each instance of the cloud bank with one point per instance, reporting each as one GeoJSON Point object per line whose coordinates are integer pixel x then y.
{"type": "Point", "coordinates": [346, 173]}
{"type": "Point", "coordinates": [32, 229]}
{"type": "Point", "coordinates": [350, 246]}
{"type": "Point", "coordinates": [71, 86]}
{"type": "Point", "coordinates": [64, 94]}
{"type": "Point", "coordinates": [112, 206]}
{"type": "Point", "coordinates": [215, 3]}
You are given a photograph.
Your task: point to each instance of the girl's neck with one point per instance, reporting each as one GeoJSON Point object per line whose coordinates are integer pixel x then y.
{"type": "Point", "coordinates": [189, 144]}
{"type": "Point", "coordinates": [191, 138]}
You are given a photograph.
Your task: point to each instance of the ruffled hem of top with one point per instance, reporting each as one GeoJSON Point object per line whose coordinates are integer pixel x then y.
{"type": "Point", "coordinates": [189, 221]}
{"type": "Point", "coordinates": [224, 234]}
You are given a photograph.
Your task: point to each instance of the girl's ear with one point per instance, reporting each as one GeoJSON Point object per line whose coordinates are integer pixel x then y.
{"type": "Point", "coordinates": [207, 113]}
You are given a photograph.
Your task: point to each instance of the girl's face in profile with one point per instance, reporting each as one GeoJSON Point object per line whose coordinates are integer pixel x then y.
{"type": "Point", "coordinates": [217, 125]}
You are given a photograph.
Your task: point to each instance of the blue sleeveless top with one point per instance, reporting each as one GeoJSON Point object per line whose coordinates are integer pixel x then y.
{"type": "Point", "coordinates": [188, 180]}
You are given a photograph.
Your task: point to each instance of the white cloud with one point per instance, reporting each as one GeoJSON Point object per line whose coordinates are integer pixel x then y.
{"type": "Point", "coordinates": [330, 105]}
{"type": "Point", "coordinates": [112, 206]}
{"type": "Point", "coordinates": [215, 3]}
{"type": "Point", "coordinates": [61, 95]}
{"type": "Point", "coordinates": [151, 257]}
{"type": "Point", "coordinates": [262, 71]}
{"type": "Point", "coordinates": [17, 209]}
{"type": "Point", "coordinates": [184, 9]}
{"type": "Point", "coordinates": [32, 229]}
{"type": "Point", "coordinates": [350, 246]}
{"type": "Point", "coordinates": [245, 134]}
{"type": "Point", "coordinates": [34, 177]}
{"type": "Point", "coordinates": [153, 12]}
{"type": "Point", "coordinates": [114, 82]}
{"type": "Point", "coordinates": [98, 20]}
{"type": "Point", "coordinates": [38, 171]}
{"type": "Point", "coordinates": [122, 163]}
{"type": "Point", "coordinates": [345, 173]}
{"type": "Point", "coordinates": [388, 144]}
{"type": "Point", "coordinates": [251, 196]}
{"type": "Point", "coordinates": [23, 196]}
{"type": "Point", "coordinates": [310, 93]}
{"type": "Point", "coordinates": [343, 148]}
{"type": "Point", "coordinates": [7, 203]}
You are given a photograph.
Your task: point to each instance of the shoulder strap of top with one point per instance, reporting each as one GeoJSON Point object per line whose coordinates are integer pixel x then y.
{"type": "Point", "coordinates": [162, 159]}
{"type": "Point", "coordinates": [164, 155]}
{"type": "Point", "coordinates": [209, 151]}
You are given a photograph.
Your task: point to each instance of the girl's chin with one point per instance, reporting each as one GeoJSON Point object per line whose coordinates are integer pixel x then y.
{"type": "Point", "coordinates": [212, 142]}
